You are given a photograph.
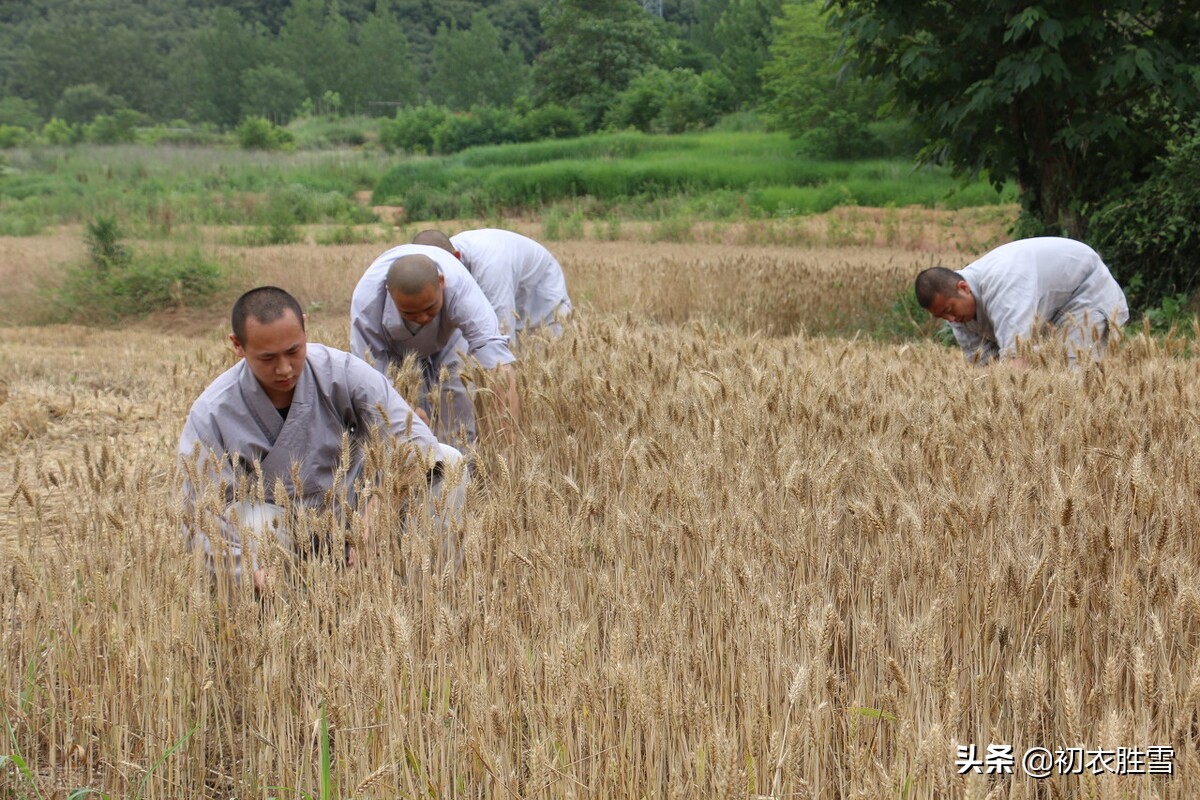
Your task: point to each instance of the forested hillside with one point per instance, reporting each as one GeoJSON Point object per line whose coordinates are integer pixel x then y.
{"type": "Point", "coordinates": [219, 61]}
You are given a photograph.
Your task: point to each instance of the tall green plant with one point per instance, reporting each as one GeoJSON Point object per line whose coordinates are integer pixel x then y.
{"type": "Point", "coordinates": [106, 252]}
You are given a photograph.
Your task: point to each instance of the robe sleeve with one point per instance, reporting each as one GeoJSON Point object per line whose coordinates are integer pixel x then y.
{"type": "Point", "coordinates": [376, 402]}
{"type": "Point", "coordinates": [367, 342]}
{"type": "Point", "coordinates": [207, 475]}
{"type": "Point", "coordinates": [976, 349]}
{"type": "Point", "coordinates": [471, 312]}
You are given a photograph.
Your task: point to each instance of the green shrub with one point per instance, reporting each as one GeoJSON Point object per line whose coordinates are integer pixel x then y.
{"type": "Point", "coordinates": [116, 128]}
{"type": "Point", "coordinates": [666, 102]}
{"type": "Point", "coordinates": [259, 133]}
{"type": "Point", "coordinates": [550, 121]}
{"type": "Point", "coordinates": [59, 132]}
{"type": "Point", "coordinates": [105, 250]}
{"type": "Point", "coordinates": [113, 282]}
{"type": "Point", "coordinates": [481, 125]}
{"type": "Point", "coordinates": [316, 133]}
{"type": "Point", "coordinates": [412, 128]}
{"type": "Point", "coordinates": [1148, 234]}
{"type": "Point", "coordinates": [81, 104]}
{"type": "Point", "coordinates": [12, 136]}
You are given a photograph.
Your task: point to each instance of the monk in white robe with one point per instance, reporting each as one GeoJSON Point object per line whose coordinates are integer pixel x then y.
{"type": "Point", "coordinates": [277, 419]}
{"type": "Point", "coordinates": [521, 279]}
{"type": "Point", "coordinates": [419, 300]}
{"type": "Point", "coordinates": [1045, 285]}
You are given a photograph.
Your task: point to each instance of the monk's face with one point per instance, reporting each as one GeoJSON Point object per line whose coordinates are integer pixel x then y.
{"type": "Point", "coordinates": [423, 307]}
{"type": "Point", "coordinates": [274, 352]}
{"type": "Point", "coordinates": [957, 307]}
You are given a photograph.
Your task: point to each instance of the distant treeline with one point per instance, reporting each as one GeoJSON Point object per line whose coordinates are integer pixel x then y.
{"type": "Point", "coordinates": [593, 63]}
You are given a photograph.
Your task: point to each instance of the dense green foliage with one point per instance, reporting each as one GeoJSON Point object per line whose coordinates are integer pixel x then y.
{"type": "Point", "coordinates": [1072, 101]}
{"type": "Point", "coordinates": [597, 47]}
{"type": "Point", "coordinates": [760, 170]}
{"type": "Point", "coordinates": [830, 114]}
{"type": "Point", "coordinates": [220, 61]}
{"type": "Point", "coordinates": [1149, 237]}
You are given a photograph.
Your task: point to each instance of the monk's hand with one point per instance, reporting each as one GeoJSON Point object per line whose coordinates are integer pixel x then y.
{"type": "Point", "coordinates": [424, 417]}
{"type": "Point", "coordinates": [262, 587]}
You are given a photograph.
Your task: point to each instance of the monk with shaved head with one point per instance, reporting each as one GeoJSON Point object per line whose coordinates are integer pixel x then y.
{"type": "Point", "coordinates": [1023, 290]}
{"type": "Point", "coordinates": [520, 278]}
{"type": "Point", "coordinates": [419, 300]}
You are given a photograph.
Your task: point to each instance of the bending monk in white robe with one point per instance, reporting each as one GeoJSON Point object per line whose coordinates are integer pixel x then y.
{"type": "Point", "coordinates": [1022, 288]}
{"type": "Point", "coordinates": [521, 279]}
{"type": "Point", "coordinates": [421, 301]}
{"type": "Point", "coordinates": [278, 417]}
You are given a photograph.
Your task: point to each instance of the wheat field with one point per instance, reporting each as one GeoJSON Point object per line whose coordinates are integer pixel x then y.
{"type": "Point", "coordinates": [729, 557]}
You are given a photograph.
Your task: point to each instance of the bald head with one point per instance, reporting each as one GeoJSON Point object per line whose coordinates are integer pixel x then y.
{"type": "Point", "coordinates": [432, 238]}
{"type": "Point", "coordinates": [936, 281]}
{"type": "Point", "coordinates": [409, 275]}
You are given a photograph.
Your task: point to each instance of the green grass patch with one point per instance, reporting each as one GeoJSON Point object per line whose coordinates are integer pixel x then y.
{"type": "Point", "coordinates": [726, 172]}
{"type": "Point", "coordinates": [140, 184]}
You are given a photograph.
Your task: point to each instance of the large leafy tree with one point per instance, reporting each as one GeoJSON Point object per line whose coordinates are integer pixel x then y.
{"type": "Point", "coordinates": [315, 44]}
{"type": "Point", "coordinates": [596, 47]}
{"type": "Point", "coordinates": [805, 94]}
{"type": "Point", "coordinates": [382, 75]}
{"type": "Point", "coordinates": [471, 68]}
{"type": "Point", "coordinates": [1072, 100]}
{"type": "Point", "coordinates": [744, 31]}
{"type": "Point", "coordinates": [208, 73]}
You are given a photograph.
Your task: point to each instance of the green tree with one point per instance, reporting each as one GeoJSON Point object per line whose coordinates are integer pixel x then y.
{"type": "Point", "coordinates": [470, 68]}
{"type": "Point", "coordinates": [1148, 233]}
{"type": "Point", "coordinates": [82, 104]}
{"type": "Point", "coordinates": [57, 132]}
{"type": "Point", "coordinates": [664, 101]}
{"type": "Point", "coordinates": [382, 75]}
{"type": "Point", "coordinates": [209, 70]}
{"type": "Point", "coordinates": [520, 25]}
{"type": "Point", "coordinates": [745, 31]}
{"type": "Point", "coordinates": [805, 95]}
{"type": "Point", "coordinates": [315, 44]}
{"type": "Point", "coordinates": [20, 113]}
{"type": "Point", "coordinates": [272, 92]}
{"type": "Point", "coordinates": [1070, 100]}
{"type": "Point", "coordinates": [596, 47]}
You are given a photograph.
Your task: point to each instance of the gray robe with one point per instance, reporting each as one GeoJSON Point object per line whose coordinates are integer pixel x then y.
{"type": "Point", "coordinates": [521, 279]}
{"type": "Point", "coordinates": [235, 434]}
{"type": "Point", "coordinates": [465, 325]}
{"type": "Point", "coordinates": [1024, 284]}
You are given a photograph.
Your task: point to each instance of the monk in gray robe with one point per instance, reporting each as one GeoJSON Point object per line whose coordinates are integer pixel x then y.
{"type": "Point", "coordinates": [1046, 285]}
{"type": "Point", "coordinates": [521, 279]}
{"type": "Point", "coordinates": [420, 301]}
{"type": "Point", "coordinates": [277, 420]}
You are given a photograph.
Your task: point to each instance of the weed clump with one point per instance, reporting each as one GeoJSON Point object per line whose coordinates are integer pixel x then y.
{"type": "Point", "coordinates": [114, 282]}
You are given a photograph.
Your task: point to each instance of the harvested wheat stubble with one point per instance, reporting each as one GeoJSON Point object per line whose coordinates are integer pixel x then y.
{"type": "Point", "coordinates": [710, 547]}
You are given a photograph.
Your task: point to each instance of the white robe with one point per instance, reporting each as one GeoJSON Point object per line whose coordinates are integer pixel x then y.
{"type": "Point", "coordinates": [235, 434]}
{"type": "Point", "coordinates": [1030, 282]}
{"type": "Point", "coordinates": [466, 324]}
{"type": "Point", "coordinates": [521, 279]}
